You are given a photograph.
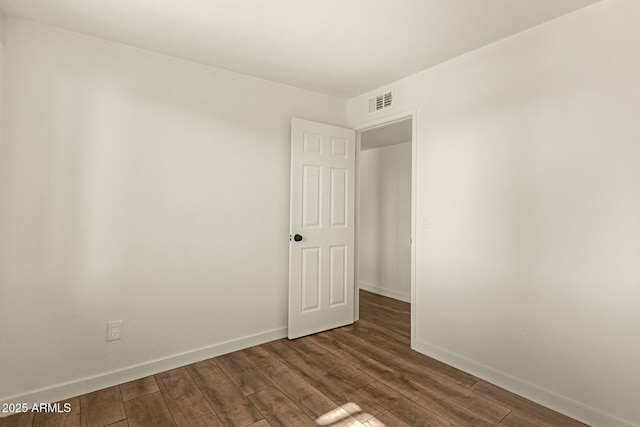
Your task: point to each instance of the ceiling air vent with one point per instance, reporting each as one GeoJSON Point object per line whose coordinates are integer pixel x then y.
{"type": "Point", "coordinates": [380, 102]}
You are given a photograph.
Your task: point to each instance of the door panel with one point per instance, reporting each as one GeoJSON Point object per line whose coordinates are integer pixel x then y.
{"type": "Point", "coordinates": [321, 265]}
{"type": "Point", "coordinates": [338, 269]}
{"type": "Point", "coordinates": [311, 196]}
{"type": "Point", "coordinates": [310, 285]}
{"type": "Point", "coordinates": [339, 195]}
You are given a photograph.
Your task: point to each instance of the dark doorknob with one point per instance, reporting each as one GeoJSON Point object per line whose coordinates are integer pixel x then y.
{"type": "Point", "coordinates": [297, 237]}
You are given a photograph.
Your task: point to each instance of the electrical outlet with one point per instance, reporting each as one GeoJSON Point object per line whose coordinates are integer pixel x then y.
{"type": "Point", "coordinates": [426, 222]}
{"type": "Point", "coordinates": [114, 330]}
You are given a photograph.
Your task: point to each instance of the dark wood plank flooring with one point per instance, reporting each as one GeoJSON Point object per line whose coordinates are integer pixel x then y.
{"type": "Point", "coordinates": [360, 375]}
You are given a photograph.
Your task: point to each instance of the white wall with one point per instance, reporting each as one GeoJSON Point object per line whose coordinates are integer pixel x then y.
{"type": "Point", "coordinates": [140, 187]}
{"type": "Point", "coordinates": [384, 245]}
{"type": "Point", "coordinates": [2, 33]}
{"type": "Point", "coordinates": [528, 155]}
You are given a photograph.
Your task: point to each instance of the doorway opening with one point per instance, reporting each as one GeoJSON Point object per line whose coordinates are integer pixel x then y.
{"type": "Point", "coordinates": [384, 257]}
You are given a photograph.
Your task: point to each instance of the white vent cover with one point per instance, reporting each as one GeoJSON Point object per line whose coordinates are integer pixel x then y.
{"type": "Point", "coordinates": [380, 102]}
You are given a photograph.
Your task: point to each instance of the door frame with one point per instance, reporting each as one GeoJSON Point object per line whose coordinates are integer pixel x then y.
{"type": "Point", "coordinates": [370, 125]}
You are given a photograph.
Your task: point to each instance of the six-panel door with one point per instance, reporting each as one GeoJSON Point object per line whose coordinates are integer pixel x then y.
{"type": "Point", "coordinates": [321, 288]}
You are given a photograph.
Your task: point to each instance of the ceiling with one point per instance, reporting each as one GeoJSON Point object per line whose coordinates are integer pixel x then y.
{"type": "Point", "coordinates": [338, 47]}
{"type": "Point", "coordinates": [383, 136]}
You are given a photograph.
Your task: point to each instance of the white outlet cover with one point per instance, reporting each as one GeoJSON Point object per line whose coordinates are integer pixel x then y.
{"type": "Point", "coordinates": [114, 330]}
{"type": "Point", "coordinates": [426, 222]}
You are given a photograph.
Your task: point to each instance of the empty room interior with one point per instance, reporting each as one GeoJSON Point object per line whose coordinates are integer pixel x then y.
{"type": "Point", "coordinates": [296, 212]}
{"type": "Point", "coordinates": [384, 210]}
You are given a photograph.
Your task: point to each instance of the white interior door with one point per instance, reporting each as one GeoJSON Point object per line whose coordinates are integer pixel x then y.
{"type": "Point", "coordinates": [322, 231]}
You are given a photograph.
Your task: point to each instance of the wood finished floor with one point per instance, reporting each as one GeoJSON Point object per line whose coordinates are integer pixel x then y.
{"type": "Point", "coordinates": [360, 375]}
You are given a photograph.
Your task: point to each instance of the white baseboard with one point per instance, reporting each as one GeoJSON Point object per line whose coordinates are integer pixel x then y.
{"type": "Point", "coordinates": [109, 379]}
{"type": "Point", "coordinates": [579, 411]}
{"type": "Point", "coordinates": [401, 296]}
